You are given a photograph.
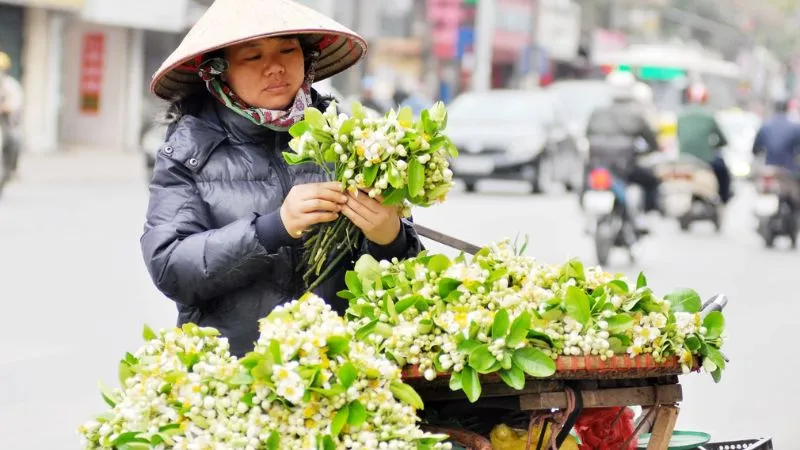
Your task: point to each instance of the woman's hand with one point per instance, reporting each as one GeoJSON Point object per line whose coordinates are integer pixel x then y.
{"type": "Point", "coordinates": [380, 223]}
{"type": "Point", "coordinates": [310, 204]}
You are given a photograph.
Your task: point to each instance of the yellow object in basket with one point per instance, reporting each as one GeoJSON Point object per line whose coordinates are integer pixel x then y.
{"type": "Point", "coordinates": [504, 437]}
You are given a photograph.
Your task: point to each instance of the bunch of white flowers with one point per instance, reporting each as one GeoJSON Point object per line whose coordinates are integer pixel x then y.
{"type": "Point", "coordinates": [506, 313]}
{"type": "Point", "coordinates": [395, 158]}
{"type": "Point", "coordinates": [308, 384]}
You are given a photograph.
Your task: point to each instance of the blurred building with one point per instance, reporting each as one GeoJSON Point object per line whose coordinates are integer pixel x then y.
{"type": "Point", "coordinates": [85, 65]}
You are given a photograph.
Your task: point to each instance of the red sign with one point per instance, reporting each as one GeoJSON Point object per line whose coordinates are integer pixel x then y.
{"type": "Point", "coordinates": [91, 78]}
{"type": "Point", "coordinates": [444, 17]}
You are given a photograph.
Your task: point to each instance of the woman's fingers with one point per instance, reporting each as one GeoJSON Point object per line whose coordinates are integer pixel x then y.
{"type": "Point", "coordinates": [319, 205]}
{"type": "Point", "coordinates": [320, 217]}
{"type": "Point", "coordinates": [355, 217]}
{"type": "Point", "coordinates": [365, 201]}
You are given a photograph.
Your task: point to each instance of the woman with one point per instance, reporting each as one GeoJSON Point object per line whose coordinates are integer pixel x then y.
{"type": "Point", "coordinates": [227, 216]}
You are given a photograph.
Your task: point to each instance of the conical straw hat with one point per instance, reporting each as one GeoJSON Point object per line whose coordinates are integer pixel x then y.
{"type": "Point", "coordinates": [228, 22]}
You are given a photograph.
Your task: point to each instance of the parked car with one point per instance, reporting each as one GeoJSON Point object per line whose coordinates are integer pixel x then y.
{"type": "Point", "coordinates": [516, 135]}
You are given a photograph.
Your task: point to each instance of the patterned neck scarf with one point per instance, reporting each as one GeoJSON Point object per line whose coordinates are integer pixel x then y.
{"type": "Point", "coordinates": [211, 71]}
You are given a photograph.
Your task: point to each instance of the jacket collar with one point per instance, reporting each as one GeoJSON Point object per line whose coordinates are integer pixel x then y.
{"type": "Point", "coordinates": [239, 129]}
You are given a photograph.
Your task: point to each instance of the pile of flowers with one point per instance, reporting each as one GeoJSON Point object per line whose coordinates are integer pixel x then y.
{"type": "Point", "coordinates": [510, 314]}
{"type": "Point", "coordinates": [397, 159]}
{"type": "Point", "coordinates": [307, 385]}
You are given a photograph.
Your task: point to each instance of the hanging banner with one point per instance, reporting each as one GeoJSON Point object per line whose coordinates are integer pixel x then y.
{"type": "Point", "coordinates": [91, 78]}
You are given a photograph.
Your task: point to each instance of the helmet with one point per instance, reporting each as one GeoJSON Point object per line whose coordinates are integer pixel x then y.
{"type": "Point", "coordinates": [5, 62]}
{"type": "Point", "coordinates": [643, 93]}
{"type": "Point", "coordinates": [622, 85]}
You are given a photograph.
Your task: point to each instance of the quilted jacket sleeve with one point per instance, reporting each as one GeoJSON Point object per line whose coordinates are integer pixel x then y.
{"type": "Point", "coordinates": [190, 261]}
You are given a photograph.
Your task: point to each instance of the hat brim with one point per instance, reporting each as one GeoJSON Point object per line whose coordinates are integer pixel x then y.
{"type": "Point", "coordinates": [338, 51]}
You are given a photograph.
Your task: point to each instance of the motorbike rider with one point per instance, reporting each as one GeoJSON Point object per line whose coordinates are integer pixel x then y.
{"type": "Point", "coordinates": [700, 135]}
{"type": "Point", "coordinates": [620, 132]}
{"type": "Point", "coordinates": [779, 140]}
{"type": "Point", "coordinates": [11, 101]}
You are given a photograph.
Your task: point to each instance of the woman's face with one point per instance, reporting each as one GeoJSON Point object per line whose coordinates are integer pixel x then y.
{"type": "Point", "coordinates": [266, 73]}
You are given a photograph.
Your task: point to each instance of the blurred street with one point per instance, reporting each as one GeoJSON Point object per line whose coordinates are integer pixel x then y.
{"type": "Point", "coordinates": [76, 294]}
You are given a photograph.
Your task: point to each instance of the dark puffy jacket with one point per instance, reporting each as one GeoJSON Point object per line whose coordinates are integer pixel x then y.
{"type": "Point", "coordinates": [614, 131]}
{"type": "Point", "coordinates": [214, 242]}
{"type": "Point", "coordinates": [779, 138]}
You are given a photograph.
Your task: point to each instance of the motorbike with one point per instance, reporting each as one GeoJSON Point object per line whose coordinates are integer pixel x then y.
{"type": "Point", "coordinates": [611, 205]}
{"type": "Point", "coordinates": [690, 192]}
{"type": "Point", "coordinates": [778, 196]}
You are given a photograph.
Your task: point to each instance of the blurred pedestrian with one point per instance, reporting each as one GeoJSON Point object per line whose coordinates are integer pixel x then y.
{"type": "Point", "coordinates": [11, 104]}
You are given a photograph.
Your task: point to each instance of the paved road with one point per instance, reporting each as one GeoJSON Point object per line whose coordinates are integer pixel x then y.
{"type": "Point", "coordinates": [75, 293]}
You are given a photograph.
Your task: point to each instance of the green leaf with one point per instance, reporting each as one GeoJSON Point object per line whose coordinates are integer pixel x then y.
{"type": "Point", "coordinates": [641, 281]}
{"type": "Point", "coordinates": [263, 370]}
{"type": "Point", "coordinates": [537, 336]}
{"type": "Point", "coordinates": [455, 381]}
{"type": "Point", "coordinates": [125, 372]}
{"type": "Point", "coordinates": [243, 378]}
{"type": "Point", "coordinates": [340, 420]}
{"type": "Point", "coordinates": [577, 305]}
{"type": "Point", "coordinates": [357, 110]}
{"type": "Point", "coordinates": [714, 324]}
{"type": "Point", "coordinates": [513, 377]}
{"type": "Point", "coordinates": [313, 117]}
{"type": "Point", "coordinates": [439, 263]}
{"type": "Point", "coordinates": [136, 445]}
{"type": "Point", "coordinates": [519, 329]}
{"type": "Point", "coordinates": [336, 389]}
{"type": "Point", "coordinates": [452, 150]}
{"type": "Point", "coordinates": [338, 345]}
{"type": "Point", "coordinates": [347, 374]}
{"type": "Point", "coordinates": [330, 155]}
{"type": "Point", "coordinates": [368, 269]}
{"type": "Point", "coordinates": [366, 330]}
{"type": "Point", "coordinates": [574, 270]}
{"type": "Point", "coordinates": [406, 394]}
{"type": "Point", "coordinates": [108, 397]}
{"type": "Point", "coordinates": [693, 344]}
{"type": "Point", "coordinates": [481, 359]}
{"type": "Point", "coordinates": [325, 443]}
{"type": "Point", "coordinates": [422, 305]}
{"type": "Point", "coordinates": [685, 300]}
{"type": "Point", "coordinates": [534, 362]}
{"type": "Point", "coordinates": [293, 159]}
{"type": "Point", "coordinates": [405, 116]}
{"type": "Point", "coordinates": [124, 438]}
{"type": "Point", "coordinates": [370, 173]}
{"type": "Point", "coordinates": [298, 129]}
{"type": "Point", "coordinates": [406, 303]}
{"type": "Point", "coordinates": [500, 324]}
{"type": "Point", "coordinates": [619, 343]}
{"type": "Point", "coordinates": [618, 287]}
{"type": "Point", "coordinates": [274, 441]}
{"type": "Point", "coordinates": [716, 357]}
{"type": "Point", "coordinates": [394, 196]}
{"type": "Point", "coordinates": [358, 414]}
{"type": "Point", "coordinates": [188, 360]}
{"type": "Point", "coordinates": [468, 345]}
{"type": "Point", "coordinates": [425, 326]}
{"type": "Point", "coordinates": [346, 294]}
{"type": "Point", "coordinates": [416, 178]}
{"type": "Point", "coordinates": [395, 178]}
{"type": "Point", "coordinates": [347, 127]}
{"type": "Point", "coordinates": [353, 283]}
{"type": "Point", "coordinates": [247, 399]}
{"type": "Point", "coordinates": [717, 375]}
{"type": "Point", "coordinates": [553, 314]}
{"type": "Point", "coordinates": [275, 351]}
{"type": "Point", "coordinates": [620, 323]}
{"type": "Point", "coordinates": [447, 286]}
{"type": "Point", "coordinates": [471, 384]}
{"type": "Point", "coordinates": [148, 334]}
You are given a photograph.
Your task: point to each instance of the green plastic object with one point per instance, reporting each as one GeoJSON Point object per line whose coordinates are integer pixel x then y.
{"type": "Point", "coordinates": [681, 440]}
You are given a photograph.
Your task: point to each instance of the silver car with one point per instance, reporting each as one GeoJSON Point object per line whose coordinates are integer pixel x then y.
{"type": "Point", "coordinates": [516, 135]}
